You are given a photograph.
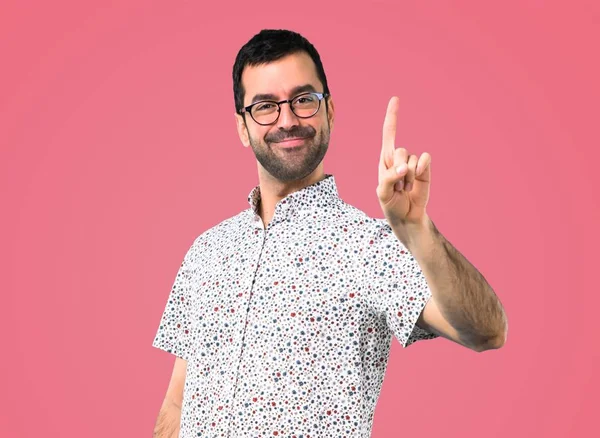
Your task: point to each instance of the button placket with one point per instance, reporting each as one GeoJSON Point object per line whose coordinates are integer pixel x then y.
{"type": "Point", "coordinates": [260, 233]}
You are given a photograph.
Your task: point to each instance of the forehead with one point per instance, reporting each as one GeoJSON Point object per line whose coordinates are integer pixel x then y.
{"type": "Point", "coordinates": [280, 77]}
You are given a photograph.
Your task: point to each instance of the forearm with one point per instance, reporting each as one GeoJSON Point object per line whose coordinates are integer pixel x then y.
{"type": "Point", "coordinates": [464, 297]}
{"type": "Point", "coordinates": [168, 421]}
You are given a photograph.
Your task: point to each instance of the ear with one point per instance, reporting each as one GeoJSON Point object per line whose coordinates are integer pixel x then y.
{"type": "Point", "coordinates": [330, 112]}
{"type": "Point", "coordinates": [242, 129]}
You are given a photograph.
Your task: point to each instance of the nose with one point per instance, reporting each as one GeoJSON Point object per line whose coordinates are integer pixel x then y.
{"type": "Point", "coordinates": [287, 118]}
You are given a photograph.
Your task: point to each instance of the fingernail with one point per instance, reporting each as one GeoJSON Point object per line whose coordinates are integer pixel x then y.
{"type": "Point", "coordinates": [409, 186]}
{"type": "Point", "coordinates": [400, 186]}
{"type": "Point", "coordinates": [400, 168]}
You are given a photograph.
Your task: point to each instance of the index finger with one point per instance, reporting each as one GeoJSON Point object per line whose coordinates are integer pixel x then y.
{"type": "Point", "coordinates": [389, 132]}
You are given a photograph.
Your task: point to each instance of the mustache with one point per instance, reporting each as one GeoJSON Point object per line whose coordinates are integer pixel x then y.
{"type": "Point", "coordinates": [295, 132]}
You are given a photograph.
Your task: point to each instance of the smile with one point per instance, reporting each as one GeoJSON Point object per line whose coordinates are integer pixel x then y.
{"type": "Point", "coordinates": [291, 142]}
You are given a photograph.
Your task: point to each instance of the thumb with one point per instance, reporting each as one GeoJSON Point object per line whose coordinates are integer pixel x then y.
{"type": "Point", "coordinates": [388, 180]}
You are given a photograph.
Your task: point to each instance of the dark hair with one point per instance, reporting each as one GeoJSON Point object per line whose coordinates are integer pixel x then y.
{"type": "Point", "coordinates": [267, 46]}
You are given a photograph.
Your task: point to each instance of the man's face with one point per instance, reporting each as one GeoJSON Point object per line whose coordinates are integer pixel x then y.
{"type": "Point", "coordinates": [292, 147]}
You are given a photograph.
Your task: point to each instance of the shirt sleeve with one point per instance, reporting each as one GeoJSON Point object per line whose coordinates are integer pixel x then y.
{"type": "Point", "coordinates": [396, 285]}
{"type": "Point", "coordinates": [174, 332]}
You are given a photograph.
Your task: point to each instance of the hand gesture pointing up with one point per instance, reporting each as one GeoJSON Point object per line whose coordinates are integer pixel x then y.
{"type": "Point", "coordinates": [404, 179]}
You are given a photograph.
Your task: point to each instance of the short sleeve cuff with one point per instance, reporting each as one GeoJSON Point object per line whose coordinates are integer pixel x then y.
{"type": "Point", "coordinates": [417, 333]}
{"type": "Point", "coordinates": [170, 345]}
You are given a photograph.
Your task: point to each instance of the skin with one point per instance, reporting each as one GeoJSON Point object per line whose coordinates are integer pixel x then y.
{"type": "Point", "coordinates": [463, 306]}
{"type": "Point", "coordinates": [169, 417]}
{"type": "Point", "coordinates": [279, 78]}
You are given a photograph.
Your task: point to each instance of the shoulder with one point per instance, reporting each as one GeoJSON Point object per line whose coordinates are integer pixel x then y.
{"type": "Point", "coordinates": [225, 230]}
{"type": "Point", "coordinates": [374, 227]}
{"type": "Point", "coordinates": [376, 233]}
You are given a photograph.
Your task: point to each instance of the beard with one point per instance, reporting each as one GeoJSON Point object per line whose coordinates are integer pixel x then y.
{"type": "Point", "coordinates": [292, 163]}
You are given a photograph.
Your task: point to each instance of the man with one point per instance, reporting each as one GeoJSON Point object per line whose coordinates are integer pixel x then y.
{"type": "Point", "coordinates": [281, 317]}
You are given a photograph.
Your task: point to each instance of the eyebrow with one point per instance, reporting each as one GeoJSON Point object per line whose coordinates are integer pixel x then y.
{"type": "Point", "coordinates": [295, 91]}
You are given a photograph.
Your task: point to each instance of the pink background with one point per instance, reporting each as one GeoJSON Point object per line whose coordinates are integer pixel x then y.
{"type": "Point", "coordinates": [118, 148]}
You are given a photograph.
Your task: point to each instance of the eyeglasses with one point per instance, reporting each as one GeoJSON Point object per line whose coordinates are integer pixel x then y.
{"type": "Point", "coordinates": [304, 106]}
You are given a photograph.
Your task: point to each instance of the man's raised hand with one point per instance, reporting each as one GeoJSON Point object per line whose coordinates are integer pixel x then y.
{"type": "Point", "coordinates": [404, 179]}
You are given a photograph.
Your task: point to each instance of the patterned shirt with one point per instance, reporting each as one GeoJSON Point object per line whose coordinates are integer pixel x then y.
{"type": "Point", "coordinates": [286, 330]}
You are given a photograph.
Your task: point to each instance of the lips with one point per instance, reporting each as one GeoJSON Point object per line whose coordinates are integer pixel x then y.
{"type": "Point", "coordinates": [291, 142]}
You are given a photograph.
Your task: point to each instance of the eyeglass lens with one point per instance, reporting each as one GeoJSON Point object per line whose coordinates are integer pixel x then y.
{"type": "Point", "coordinates": [305, 105]}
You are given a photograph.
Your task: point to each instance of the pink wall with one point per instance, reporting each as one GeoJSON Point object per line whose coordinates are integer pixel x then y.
{"type": "Point", "coordinates": [118, 148]}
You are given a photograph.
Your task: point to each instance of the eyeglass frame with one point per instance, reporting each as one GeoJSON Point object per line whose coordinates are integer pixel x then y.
{"type": "Point", "coordinates": [248, 109]}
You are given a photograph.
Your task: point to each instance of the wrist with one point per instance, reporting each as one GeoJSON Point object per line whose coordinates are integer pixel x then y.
{"type": "Point", "coordinates": [416, 236]}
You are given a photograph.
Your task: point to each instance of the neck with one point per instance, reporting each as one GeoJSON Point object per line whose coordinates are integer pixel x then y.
{"type": "Point", "coordinates": [272, 190]}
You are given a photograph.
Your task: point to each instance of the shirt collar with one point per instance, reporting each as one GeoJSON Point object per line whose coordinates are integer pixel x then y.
{"type": "Point", "coordinates": [310, 197]}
